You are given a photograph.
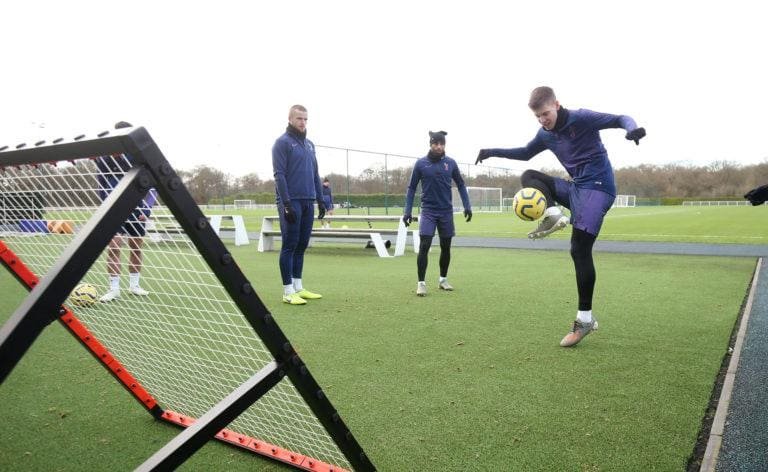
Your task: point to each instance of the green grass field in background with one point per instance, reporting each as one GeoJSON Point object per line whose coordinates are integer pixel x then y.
{"type": "Point", "coordinates": [689, 224]}
{"type": "Point", "coordinates": [468, 380]}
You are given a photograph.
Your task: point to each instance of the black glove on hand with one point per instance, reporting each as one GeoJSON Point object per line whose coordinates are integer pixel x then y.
{"type": "Point", "coordinates": [407, 219]}
{"type": "Point", "coordinates": [636, 135]}
{"type": "Point", "coordinates": [290, 215]}
{"type": "Point", "coordinates": [468, 215]}
{"type": "Point", "coordinates": [758, 195]}
{"type": "Point", "coordinates": [320, 210]}
{"type": "Point", "coordinates": [482, 155]}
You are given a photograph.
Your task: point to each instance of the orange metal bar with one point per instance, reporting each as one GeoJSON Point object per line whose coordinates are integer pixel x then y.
{"type": "Point", "coordinates": [258, 446]}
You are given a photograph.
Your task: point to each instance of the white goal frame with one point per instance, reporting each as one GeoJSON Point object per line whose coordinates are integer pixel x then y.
{"type": "Point", "coordinates": [482, 199]}
{"type": "Point", "coordinates": [243, 204]}
{"type": "Point", "coordinates": [624, 201]}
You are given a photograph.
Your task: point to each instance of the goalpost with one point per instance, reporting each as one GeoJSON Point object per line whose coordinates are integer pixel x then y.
{"type": "Point", "coordinates": [483, 199]}
{"type": "Point", "coordinates": [624, 201]}
{"type": "Point", "coordinates": [201, 350]}
{"type": "Point", "coordinates": [243, 204]}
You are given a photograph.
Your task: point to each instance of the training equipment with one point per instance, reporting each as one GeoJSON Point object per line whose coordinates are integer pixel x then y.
{"type": "Point", "coordinates": [578, 331]}
{"type": "Point", "coordinates": [84, 295]}
{"type": "Point", "coordinates": [60, 227]}
{"type": "Point", "coordinates": [202, 351]}
{"type": "Point", "coordinates": [483, 199]}
{"type": "Point", "coordinates": [529, 204]}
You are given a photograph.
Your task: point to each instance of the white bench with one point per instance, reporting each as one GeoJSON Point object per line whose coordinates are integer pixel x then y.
{"type": "Point", "coordinates": [159, 225]}
{"type": "Point", "coordinates": [269, 231]}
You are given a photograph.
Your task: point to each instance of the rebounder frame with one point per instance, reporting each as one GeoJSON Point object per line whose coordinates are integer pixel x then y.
{"type": "Point", "coordinates": [44, 303]}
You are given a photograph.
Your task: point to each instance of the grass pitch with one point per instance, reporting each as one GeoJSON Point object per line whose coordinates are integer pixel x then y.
{"type": "Point", "coordinates": [689, 224]}
{"type": "Point", "coordinates": [467, 380]}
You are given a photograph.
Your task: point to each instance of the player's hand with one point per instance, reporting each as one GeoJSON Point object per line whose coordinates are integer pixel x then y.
{"type": "Point", "coordinates": [468, 215]}
{"type": "Point", "coordinates": [636, 135]}
{"type": "Point", "coordinates": [320, 210]}
{"type": "Point", "coordinates": [290, 215]}
{"type": "Point", "coordinates": [407, 220]}
{"type": "Point", "coordinates": [758, 195]}
{"type": "Point", "coordinates": [482, 155]}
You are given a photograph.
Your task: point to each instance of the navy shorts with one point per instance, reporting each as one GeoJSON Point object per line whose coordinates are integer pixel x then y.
{"type": "Point", "coordinates": [133, 226]}
{"type": "Point", "coordinates": [430, 220]}
{"type": "Point", "coordinates": [588, 206]}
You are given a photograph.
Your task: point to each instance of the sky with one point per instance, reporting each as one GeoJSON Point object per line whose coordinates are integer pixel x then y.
{"type": "Point", "coordinates": [213, 81]}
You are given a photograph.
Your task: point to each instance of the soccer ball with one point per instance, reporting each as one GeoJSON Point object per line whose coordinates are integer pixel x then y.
{"type": "Point", "coordinates": [84, 295]}
{"type": "Point", "coordinates": [529, 204]}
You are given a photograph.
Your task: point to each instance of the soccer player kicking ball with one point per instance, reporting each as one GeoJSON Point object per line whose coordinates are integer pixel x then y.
{"type": "Point", "coordinates": [573, 136]}
{"type": "Point", "coordinates": [435, 172]}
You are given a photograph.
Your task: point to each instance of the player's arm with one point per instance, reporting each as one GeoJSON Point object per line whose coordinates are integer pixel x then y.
{"type": "Point", "coordinates": [462, 188]}
{"type": "Point", "coordinates": [410, 194]}
{"type": "Point", "coordinates": [318, 188]}
{"type": "Point", "coordinates": [280, 169]}
{"type": "Point", "coordinates": [519, 154]}
{"type": "Point", "coordinates": [607, 120]}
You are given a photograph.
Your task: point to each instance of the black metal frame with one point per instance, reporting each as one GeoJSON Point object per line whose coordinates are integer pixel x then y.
{"type": "Point", "coordinates": [151, 169]}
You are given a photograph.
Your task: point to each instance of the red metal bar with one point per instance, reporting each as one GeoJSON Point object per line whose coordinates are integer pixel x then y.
{"type": "Point", "coordinates": [258, 446]}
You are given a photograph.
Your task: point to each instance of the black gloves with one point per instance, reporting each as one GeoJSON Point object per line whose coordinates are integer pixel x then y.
{"type": "Point", "coordinates": [290, 215]}
{"type": "Point", "coordinates": [407, 219]}
{"type": "Point", "coordinates": [758, 195]}
{"type": "Point", "coordinates": [636, 135]}
{"type": "Point", "coordinates": [468, 215]}
{"type": "Point", "coordinates": [320, 210]}
{"type": "Point", "coordinates": [482, 155]}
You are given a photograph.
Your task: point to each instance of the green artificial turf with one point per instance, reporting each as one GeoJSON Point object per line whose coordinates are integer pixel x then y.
{"type": "Point", "coordinates": [467, 380]}
{"type": "Point", "coordinates": [690, 224]}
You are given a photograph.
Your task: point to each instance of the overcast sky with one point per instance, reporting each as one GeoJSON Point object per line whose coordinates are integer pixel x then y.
{"type": "Point", "coordinates": [213, 81]}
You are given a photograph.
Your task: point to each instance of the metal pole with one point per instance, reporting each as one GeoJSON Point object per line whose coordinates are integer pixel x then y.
{"type": "Point", "coordinates": [386, 186]}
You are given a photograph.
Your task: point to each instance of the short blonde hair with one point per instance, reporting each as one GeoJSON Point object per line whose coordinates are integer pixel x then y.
{"type": "Point", "coordinates": [540, 97]}
{"type": "Point", "coordinates": [296, 108]}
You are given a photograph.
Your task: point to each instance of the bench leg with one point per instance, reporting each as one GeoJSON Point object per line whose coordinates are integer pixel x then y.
{"type": "Point", "coordinates": [265, 242]}
{"type": "Point", "coordinates": [378, 242]}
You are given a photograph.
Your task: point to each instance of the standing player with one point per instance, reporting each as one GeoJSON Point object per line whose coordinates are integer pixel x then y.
{"type": "Point", "coordinates": [573, 136]}
{"type": "Point", "coordinates": [435, 172]}
{"type": "Point", "coordinates": [111, 170]}
{"type": "Point", "coordinates": [297, 186]}
{"type": "Point", "coordinates": [327, 200]}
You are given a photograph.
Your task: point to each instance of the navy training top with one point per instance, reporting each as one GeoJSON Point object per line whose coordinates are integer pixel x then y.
{"type": "Point", "coordinates": [578, 147]}
{"type": "Point", "coordinates": [435, 177]}
{"type": "Point", "coordinates": [295, 168]}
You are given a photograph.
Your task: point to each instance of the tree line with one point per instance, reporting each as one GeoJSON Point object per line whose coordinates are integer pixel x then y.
{"type": "Point", "coordinates": [718, 180]}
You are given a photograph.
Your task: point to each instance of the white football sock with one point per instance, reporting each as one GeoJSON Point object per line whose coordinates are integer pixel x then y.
{"type": "Point", "coordinates": [584, 316]}
{"type": "Point", "coordinates": [133, 279]}
{"type": "Point", "coordinates": [288, 289]}
{"type": "Point", "coordinates": [297, 285]}
{"type": "Point", "coordinates": [442, 279]}
{"type": "Point", "coordinates": [114, 283]}
{"type": "Point", "coordinates": [421, 282]}
{"type": "Point", "coordinates": [553, 211]}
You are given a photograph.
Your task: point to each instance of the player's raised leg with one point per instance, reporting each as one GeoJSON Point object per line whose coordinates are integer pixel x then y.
{"type": "Point", "coordinates": [553, 218]}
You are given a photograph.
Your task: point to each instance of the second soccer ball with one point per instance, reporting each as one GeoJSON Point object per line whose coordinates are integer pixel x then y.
{"type": "Point", "coordinates": [529, 204]}
{"type": "Point", "coordinates": [84, 295]}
